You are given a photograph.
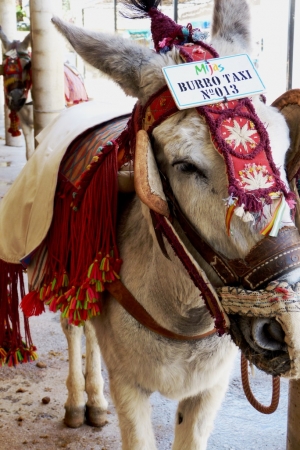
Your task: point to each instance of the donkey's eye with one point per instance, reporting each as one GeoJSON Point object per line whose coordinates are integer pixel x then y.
{"type": "Point", "coordinates": [188, 168]}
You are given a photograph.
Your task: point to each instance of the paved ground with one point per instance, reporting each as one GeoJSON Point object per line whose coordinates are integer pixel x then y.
{"type": "Point", "coordinates": [25, 422]}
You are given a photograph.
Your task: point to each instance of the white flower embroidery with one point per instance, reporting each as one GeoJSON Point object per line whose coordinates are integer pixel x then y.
{"type": "Point", "coordinates": [240, 135]}
{"type": "Point", "coordinates": [255, 177]}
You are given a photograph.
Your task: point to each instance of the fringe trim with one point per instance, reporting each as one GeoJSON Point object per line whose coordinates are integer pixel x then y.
{"type": "Point", "coordinates": [17, 356]}
{"type": "Point", "coordinates": [81, 243]}
{"type": "Point", "coordinates": [13, 349]}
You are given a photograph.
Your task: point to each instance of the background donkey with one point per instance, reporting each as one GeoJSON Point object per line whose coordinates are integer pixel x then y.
{"type": "Point", "coordinates": [187, 361]}
{"type": "Point", "coordinates": [18, 94]}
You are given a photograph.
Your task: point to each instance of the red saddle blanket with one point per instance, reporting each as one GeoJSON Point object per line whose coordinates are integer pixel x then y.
{"type": "Point", "coordinates": [79, 255]}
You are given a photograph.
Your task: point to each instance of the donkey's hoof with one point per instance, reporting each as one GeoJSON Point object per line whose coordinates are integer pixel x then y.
{"type": "Point", "coordinates": [95, 416]}
{"type": "Point", "coordinates": [74, 417]}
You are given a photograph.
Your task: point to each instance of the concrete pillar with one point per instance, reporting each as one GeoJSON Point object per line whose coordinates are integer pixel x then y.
{"type": "Point", "coordinates": [8, 21]}
{"type": "Point", "coordinates": [47, 63]}
{"type": "Point", "coordinates": [293, 428]}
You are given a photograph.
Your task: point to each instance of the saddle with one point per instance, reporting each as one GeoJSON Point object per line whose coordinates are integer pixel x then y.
{"type": "Point", "coordinates": [72, 166]}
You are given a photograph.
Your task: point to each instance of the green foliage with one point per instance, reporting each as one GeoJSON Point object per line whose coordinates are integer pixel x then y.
{"type": "Point", "coordinates": [66, 5]}
{"type": "Point", "coordinates": [20, 13]}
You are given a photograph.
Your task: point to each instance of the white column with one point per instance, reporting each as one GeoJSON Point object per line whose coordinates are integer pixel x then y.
{"type": "Point", "coordinates": [47, 63]}
{"type": "Point", "coordinates": [293, 428]}
{"type": "Point", "coordinates": [8, 21]}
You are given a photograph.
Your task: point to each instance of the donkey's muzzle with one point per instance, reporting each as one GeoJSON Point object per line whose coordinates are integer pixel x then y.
{"type": "Point", "coordinates": [16, 100]}
{"type": "Point", "coordinates": [262, 342]}
{"type": "Point", "coordinates": [265, 325]}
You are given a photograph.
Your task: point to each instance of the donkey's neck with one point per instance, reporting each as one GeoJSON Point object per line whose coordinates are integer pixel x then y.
{"type": "Point", "coordinates": [172, 298]}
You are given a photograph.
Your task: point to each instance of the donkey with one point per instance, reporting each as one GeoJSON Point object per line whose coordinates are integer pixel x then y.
{"type": "Point", "coordinates": [18, 94]}
{"type": "Point", "coordinates": [158, 333]}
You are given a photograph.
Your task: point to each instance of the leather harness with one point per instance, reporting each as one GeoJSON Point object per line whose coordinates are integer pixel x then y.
{"type": "Point", "coordinates": [268, 259]}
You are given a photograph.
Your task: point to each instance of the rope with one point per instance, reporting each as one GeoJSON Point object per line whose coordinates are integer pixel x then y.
{"type": "Point", "coordinates": [249, 395]}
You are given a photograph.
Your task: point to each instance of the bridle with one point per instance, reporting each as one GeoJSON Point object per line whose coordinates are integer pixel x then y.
{"type": "Point", "coordinates": [14, 64]}
{"type": "Point", "coordinates": [269, 258]}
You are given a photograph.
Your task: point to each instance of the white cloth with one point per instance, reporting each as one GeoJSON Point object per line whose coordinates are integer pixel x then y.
{"type": "Point", "coordinates": [27, 208]}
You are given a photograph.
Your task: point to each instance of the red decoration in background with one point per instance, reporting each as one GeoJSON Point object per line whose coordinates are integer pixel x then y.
{"type": "Point", "coordinates": [14, 128]}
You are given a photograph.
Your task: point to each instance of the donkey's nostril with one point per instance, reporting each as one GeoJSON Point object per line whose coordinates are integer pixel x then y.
{"type": "Point", "coordinates": [268, 334]}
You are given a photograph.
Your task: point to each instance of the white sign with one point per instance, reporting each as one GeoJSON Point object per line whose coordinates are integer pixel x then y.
{"type": "Point", "coordinates": [206, 82]}
{"type": "Point", "coordinates": [12, 54]}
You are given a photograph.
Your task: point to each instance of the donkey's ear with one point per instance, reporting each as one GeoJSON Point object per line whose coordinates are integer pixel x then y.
{"type": "Point", "coordinates": [4, 39]}
{"type": "Point", "coordinates": [231, 27]}
{"type": "Point", "coordinates": [147, 181]}
{"type": "Point", "coordinates": [26, 42]}
{"type": "Point", "coordinates": [121, 59]}
{"type": "Point", "coordinates": [289, 105]}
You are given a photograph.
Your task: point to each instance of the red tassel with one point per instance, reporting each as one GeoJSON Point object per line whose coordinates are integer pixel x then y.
{"type": "Point", "coordinates": [11, 291]}
{"type": "Point", "coordinates": [14, 124]}
{"type": "Point", "coordinates": [117, 265]}
{"type": "Point", "coordinates": [31, 304]}
{"type": "Point", "coordinates": [82, 237]}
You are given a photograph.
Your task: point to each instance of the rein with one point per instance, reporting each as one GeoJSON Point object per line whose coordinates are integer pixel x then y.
{"type": "Point", "coordinates": [138, 312]}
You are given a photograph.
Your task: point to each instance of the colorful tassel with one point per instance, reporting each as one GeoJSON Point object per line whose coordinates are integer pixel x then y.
{"type": "Point", "coordinates": [11, 291]}
{"type": "Point", "coordinates": [240, 211]}
{"type": "Point", "coordinates": [229, 214]}
{"type": "Point", "coordinates": [248, 217]}
{"type": "Point", "coordinates": [32, 305]}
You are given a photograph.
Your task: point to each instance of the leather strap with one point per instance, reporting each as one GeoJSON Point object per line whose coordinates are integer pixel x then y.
{"type": "Point", "coordinates": [217, 261]}
{"type": "Point", "coordinates": [269, 258]}
{"type": "Point", "coordinates": [138, 312]}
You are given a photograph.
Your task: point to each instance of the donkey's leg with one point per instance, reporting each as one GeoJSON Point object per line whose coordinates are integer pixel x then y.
{"type": "Point", "coordinates": [26, 118]}
{"type": "Point", "coordinates": [96, 407]}
{"type": "Point", "coordinates": [75, 404]}
{"type": "Point", "coordinates": [134, 413]}
{"type": "Point", "coordinates": [195, 417]}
